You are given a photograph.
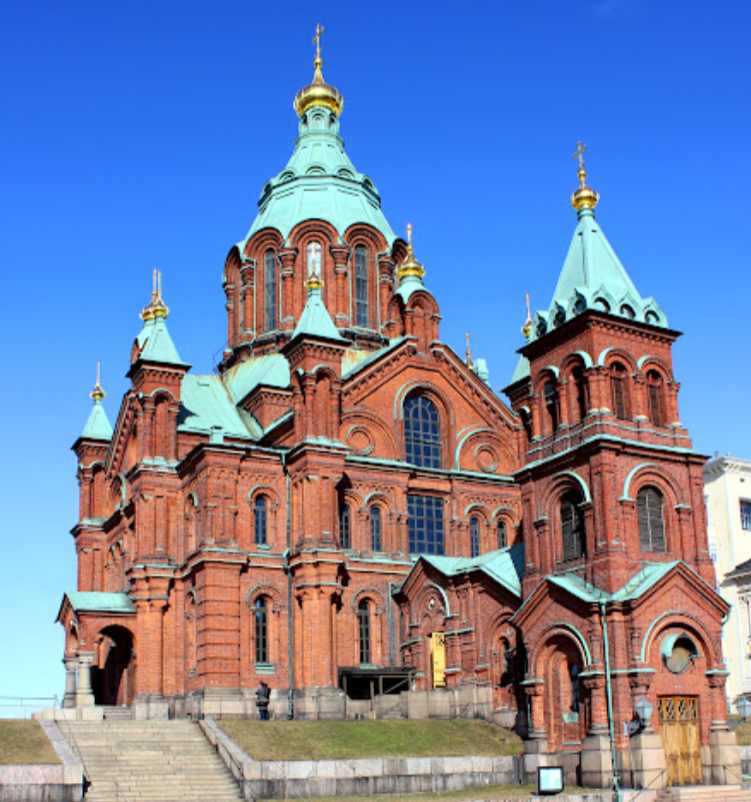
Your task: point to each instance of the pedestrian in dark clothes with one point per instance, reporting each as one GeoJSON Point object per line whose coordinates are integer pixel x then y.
{"type": "Point", "coordinates": [263, 694]}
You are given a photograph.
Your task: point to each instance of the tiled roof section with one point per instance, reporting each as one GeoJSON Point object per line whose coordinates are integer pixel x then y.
{"type": "Point", "coordinates": [206, 404]}
{"type": "Point", "coordinates": [315, 320]}
{"type": "Point", "coordinates": [505, 566]}
{"type": "Point", "coordinates": [638, 584]}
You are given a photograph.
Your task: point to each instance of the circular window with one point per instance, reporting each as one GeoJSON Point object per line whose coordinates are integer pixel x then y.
{"type": "Point", "coordinates": [679, 657]}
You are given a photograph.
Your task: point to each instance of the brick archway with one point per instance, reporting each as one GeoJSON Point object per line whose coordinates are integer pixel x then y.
{"type": "Point", "coordinates": [114, 676]}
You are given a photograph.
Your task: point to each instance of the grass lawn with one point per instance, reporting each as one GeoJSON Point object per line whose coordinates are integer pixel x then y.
{"type": "Point", "coordinates": [743, 734]}
{"type": "Point", "coordinates": [334, 740]}
{"type": "Point", "coordinates": [23, 742]}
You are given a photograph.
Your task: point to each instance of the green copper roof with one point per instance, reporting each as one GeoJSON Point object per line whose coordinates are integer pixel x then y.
{"type": "Point", "coordinates": [315, 320]}
{"type": "Point", "coordinates": [98, 425]}
{"type": "Point", "coordinates": [206, 405]}
{"type": "Point", "coordinates": [633, 589]}
{"type": "Point", "coordinates": [100, 602]}
{"type": "Point", "coordinates": [505, 566]}
{"type": "Point", "coordinates": [271, 370]}
{"type": "Point", "coordinates": [319, 182]}
{"type": "Point", "coordinates": [594, 278]}
{"type": "Point", "coordinates": [156, 344]}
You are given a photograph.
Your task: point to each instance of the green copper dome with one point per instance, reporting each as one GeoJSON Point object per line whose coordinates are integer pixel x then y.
{"type": "Point", "coordinates": [319, 182]}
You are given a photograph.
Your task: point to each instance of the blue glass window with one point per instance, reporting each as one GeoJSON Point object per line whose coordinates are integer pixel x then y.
{"type": "Point", "coordinates": [422, 434]}
{"type": "Point", "coordinates": [502, 535]}
{"type": "Point", "coordinates": [425, 524]}
{"type": "Point", "coordinates": [375, 529]}
{"type": "Point", "coordinates": [262, 630]}
{"type": "Point", "coordinates": [345, 538]}
{"type": "Point", "coordinates": [270, 303]}
{"type": "Point", "coordinates": [746, 515]}
{"type": "Point", "coordinates": [474, 536]}
{"type": "Point", "coordinates": [260, 520]}
{"type": "Point", "coordinates": [361, 286]}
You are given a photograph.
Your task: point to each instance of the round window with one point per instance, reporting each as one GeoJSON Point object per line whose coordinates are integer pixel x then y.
{"type": "Point", "coordinates": [680, 656]}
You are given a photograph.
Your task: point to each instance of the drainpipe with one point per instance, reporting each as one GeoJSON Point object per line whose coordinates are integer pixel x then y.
{"type": "Point", "coordinates": [609, 693]}
{"type": "Point", "coordinates": [392, 627]}
{"type": "Point", "coordinates": [290, 608]}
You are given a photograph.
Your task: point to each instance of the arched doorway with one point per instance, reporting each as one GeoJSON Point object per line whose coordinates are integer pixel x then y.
{"type": "Point", "coordinates": [114, 678]}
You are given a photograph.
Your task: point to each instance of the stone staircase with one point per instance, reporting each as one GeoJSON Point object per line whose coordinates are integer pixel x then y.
{"type": "Point", "coordinates": [704, 793]}
{"type": "Point", "coordinates": [150, 761]}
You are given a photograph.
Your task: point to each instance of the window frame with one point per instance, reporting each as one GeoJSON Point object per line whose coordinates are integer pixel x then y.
{"type": "Point", "coordinates": [745, 515]}
{"type": "Point", "coordinates": [261, 520]}
{"type": "Point", "coordinates": [647, 523]}
{"type": "Point", "coordinates": [261, 631]}
{"type": "Point", "coordinates": [474, 537]}
{"type": "Point", "coordinates": [364, 633]}
{"type": "Point", "coordinates": [619, 391]}
{"type": "Point", "coordinates": [573, 541]}
{"type": "Point", "coordinates": [270, 290]}
{"type": "Point", "coordinates": [422, 526]}
{"type": "Point", "coordinates": [422, 432]}
{"type": "Point", "coordinates": [376, 528]}
{"type": "Point", "coordinates": [345, 516]}
{"type": "Point", "coordinates": [362, 287]}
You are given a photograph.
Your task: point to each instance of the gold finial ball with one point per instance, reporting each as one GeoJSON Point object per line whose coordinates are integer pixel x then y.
{"type": "Point", "coordinates": [318, 92]}
{"type": "Point", "coordinates": [314, 282]}
{"type": "Point", "coordinates": [584, 198]}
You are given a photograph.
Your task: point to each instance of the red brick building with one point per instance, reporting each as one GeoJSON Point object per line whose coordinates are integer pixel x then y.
{"type": "Point", "coordinates": [347, 511]}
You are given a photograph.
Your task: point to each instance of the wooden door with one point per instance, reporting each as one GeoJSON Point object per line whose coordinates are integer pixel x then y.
{"type": "Point", "coordinates": [679, 730]}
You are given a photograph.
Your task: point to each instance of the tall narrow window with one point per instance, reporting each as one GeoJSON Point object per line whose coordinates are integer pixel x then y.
{"type": "Point", "coordinates": [363, 621]}
{"type": "Point", "coordinates": [314, 258]}
{"type": "Point", "coordinates": [618, 389]}
{"type": "Point", "coordinates": [361, 286]}
{"type": "Point", "coordinates": [580, 392]}
{"type": "Point", "coordinates": [425, 524]}
{"type": "Point", "coordinates": [474, 536]}
{"type": "Point", "coordinates": [375, 529]}
{"type": "Point", "coordinates": [650, 518]}
{"type": "Point", "coordinates": [654, 398]}
{"type": "Point", "coordinates": [572, 529]}
{"type": "Point", "coordinates": [746, 515]}
{"type": "Point", "coordinates": [260, 520]}
{"type": "Point", "coordinates": [550, 395]}
{"type": "Point", "coordinates": [502, 536]}
{"type": "Point", "coordinates": [270, 292]}
{"type": "Point", "coordinates": [345, 538]}
{"type": "Point", "coordinates": [573, 672]}
{"type": "Point", "coordinates": [422, 436]}
{"type": "Point", "coordinates": [261, 612]}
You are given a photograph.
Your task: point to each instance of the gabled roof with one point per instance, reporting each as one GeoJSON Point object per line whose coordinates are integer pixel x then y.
{"type": "Point", "coordinates": [504, 566]}
{"type": "Point", "coordinates": [206, 403]}
{"type": "Point", "coordinates": [354, 360]}
{"type": "Point", "coordinates": [97, 426]}
{"type": "Point", "coordinates": [315, 320]}
{"type": "Point", "coordinates": [93, 602]}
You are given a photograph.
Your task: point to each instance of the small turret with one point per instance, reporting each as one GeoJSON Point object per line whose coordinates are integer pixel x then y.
{"type": "Point", "coordinates": [97, 426]}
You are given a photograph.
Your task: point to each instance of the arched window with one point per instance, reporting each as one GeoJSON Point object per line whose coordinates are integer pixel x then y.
{"type": "Point", "coordinates": [550, 395]}
{"type": "Point", "coordinates": [573, 672]}
{"type": "Point", "coordinates": [314, 259]}
{"type": "Point", "coordinates": [363, 621]}
{"type": "Point", "coordinates": [580, 392]}
{"type": "Point", "coordinates": [651, 521]}
{"type": "Point", "coordinates": [572, 528]}
{"type": "Point", "coordinates": [345, 534]}
{"type": "Point", "coordinates": [270, 290]}
{"type": "Point", "coordinates": [361, 286]}
{"type": "Point", "coordinates": [260, 520]}
{"type": "Point", "coordinates": [375, 529]}
{"type": "Point", "coordinates": [422, 436]}
{"type": "Point", "coordinates": [474, 537]}
{"type": "Point", "coordinates": [526, 423]}
{"type": "Point", "coordinates": [502, 533]}
{"type": "Point", "coordinates": [619, 390]}
{"type": "Point", "coordinates": [261, 611]}
{"type": "Point", "coordinates": [654, 398]}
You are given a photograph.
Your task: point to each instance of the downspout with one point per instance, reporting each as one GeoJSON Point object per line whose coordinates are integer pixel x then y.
{"type": "Point", "coordinates": [609, 694]}
{"type": "Point", "coordinates": [290, 608]}
{"type": "Point", "coordinates": [392, 627]}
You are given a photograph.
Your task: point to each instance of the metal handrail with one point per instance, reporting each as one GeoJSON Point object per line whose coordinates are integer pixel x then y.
{"type": "Point", "coordinates": [72, 741]}
{"type": "Point", "coordinates": [744, 778]}
{"type": "Point", "coordinates": [646, 787]}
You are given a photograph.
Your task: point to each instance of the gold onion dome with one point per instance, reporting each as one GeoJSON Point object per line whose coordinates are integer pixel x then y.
{"type": "Point", "coordinates": [157, 307]}
{"type": "Point", "coordinates": [527, 327]}
{"type": "Point", "coordinates": [314, 282]}
{"type": "Point", "coordinates": [318, 92]}
{"type": "Point", "coordinates": [98, 392]}
{"type": "Point", "coordinates": [584, 197]}
{"type": "Point", "coordinates": [410, 266]}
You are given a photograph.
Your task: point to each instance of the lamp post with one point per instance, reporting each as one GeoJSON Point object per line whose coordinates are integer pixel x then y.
{"type": "Point", "coordinates": [644, 710]}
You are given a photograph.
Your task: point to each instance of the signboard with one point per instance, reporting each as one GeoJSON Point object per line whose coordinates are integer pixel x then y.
{"type": "Point", "coordinates": [549, 780]}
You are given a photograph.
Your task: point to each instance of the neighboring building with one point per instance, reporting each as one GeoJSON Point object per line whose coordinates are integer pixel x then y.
{"type": "Point", "coordinates": [348, 511]}
{"type": "Point", "coordinates": [727, 490]}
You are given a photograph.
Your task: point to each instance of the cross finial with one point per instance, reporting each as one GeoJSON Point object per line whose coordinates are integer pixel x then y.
{"type": "Point", "coordinates": [527, 327]}
{"type": "Point", "coordinates": [154, 282]}
{"type": "Point", "coordinates": [529, 314]}
{"type": "Point", "coordinates": [97, 393]}
{"type": "Point", "coordinates": [580, 151]}
{"type": "Point", "coordinates": [317, 40]}
{"type": "Point", "coordinates": [468, 360]}
{"type": "Point", "coordinates": [409, 234]}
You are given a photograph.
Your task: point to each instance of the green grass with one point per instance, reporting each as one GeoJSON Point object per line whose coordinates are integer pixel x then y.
{"type": "Point", "coordinates": [342, 740]}
{"type": "Point", "coordinates": [743, 734]}
{"type": "Point", "coordinates": [23, 742]}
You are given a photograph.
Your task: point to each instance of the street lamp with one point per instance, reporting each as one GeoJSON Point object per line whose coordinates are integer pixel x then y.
{"type": "Point", "coordinates": [743, 706]}
{"type": "Point", "coordinates": [644, 710]}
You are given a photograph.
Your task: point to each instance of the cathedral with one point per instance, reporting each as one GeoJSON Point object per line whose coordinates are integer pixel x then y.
{"type": "Point", "coordinates": [348, 512]}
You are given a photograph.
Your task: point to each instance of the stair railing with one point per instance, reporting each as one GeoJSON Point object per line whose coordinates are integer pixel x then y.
{"type": "Point", "coordinates": [743, 778]}
{"type": "Point", "coordinates": [71, 738]}
{"type": "Point", "coordinates": [646, 787]}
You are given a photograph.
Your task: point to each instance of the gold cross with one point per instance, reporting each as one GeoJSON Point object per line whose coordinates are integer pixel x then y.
{"type": "Point", "coordinates": [580, 151]}
{"type": "Point", "coordinates": [409, 234]}
{"type": "Point", "coordinates": [317, 39]}
{"type": "Point", "coordinates": [468, 360]}
{"type": "Point", "coordinates": [529, 314]}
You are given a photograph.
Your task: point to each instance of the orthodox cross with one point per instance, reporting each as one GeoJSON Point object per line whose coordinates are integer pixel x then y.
{"type": "Point", "coordinates": [468, 361]}
{"type": "Point", "coordinates": [317, 39]}
{"type": "Point", "coordinates": [409, 234]}
{"type": "Point", "coordinates": [529, 314]}
{"type": "Point", "coordinates": [580, 151]}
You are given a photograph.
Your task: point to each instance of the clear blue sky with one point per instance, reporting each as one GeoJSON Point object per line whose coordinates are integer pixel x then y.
{"type": "Point", "coordinates": [140, 134]}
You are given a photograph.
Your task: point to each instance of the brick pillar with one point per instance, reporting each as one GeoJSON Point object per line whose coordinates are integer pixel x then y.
{"type": "Point", "coordinates": [639, 399]}
{"type": "Point", "coordinates": [385, 287]}
{"type": "Point", "coordinates": [672, 405]}
{"type": "Point", "coordinates": [340, 254]}
{"type": "Point", "coordinates": [287, 257]}
{"type": "Point", "coordinates": [247, 275]}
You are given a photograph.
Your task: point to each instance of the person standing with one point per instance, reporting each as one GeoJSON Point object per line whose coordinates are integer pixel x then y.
{"type": "Point", "coordinates": [263, 694]}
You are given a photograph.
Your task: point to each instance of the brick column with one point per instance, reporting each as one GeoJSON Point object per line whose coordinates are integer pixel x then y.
{"type": "Point", "coordinates": [287, 257]}
{"type": "Point", "coordinates": [340, 254]}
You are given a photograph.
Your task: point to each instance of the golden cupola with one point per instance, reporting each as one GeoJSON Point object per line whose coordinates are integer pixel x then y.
{"type": "Point", "coordinates": [584, 197]}
{"type": "Point", "coordinates": [318, 92]}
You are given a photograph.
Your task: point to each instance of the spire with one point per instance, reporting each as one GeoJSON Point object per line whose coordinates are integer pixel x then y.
{"type": "Point", "coordinates": [583, 198]}
{"type": "Point", "coordinates": [315, 320]}
{"type": "Point", "coordinates": [527, 327]}
{"type": "Point", "coordinates": [468, 359]}
{"type": "Point", "coordinates": [154, 341]}
{"type": "Point", "coordinates": [410, 272]}
{"type": "Point", "coordinates": [318, 92]}
{"type": "Point", "coordinates": [98, 425]}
